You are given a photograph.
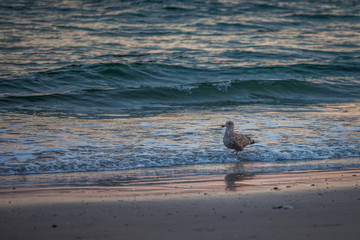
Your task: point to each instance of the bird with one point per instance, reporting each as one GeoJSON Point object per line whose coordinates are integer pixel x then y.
{"type": "Point", "coordinates": [235, 140]}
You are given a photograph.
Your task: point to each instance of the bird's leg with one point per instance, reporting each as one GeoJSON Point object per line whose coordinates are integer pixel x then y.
{"type": "Point", "coordinates": [238, 155]}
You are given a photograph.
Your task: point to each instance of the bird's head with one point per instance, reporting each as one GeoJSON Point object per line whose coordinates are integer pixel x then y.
{"type": "Point", "coordinates": [229, 124]}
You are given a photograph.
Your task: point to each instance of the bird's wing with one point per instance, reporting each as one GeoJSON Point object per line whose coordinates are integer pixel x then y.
{"type": "Point", "coordinates": [242, 139]}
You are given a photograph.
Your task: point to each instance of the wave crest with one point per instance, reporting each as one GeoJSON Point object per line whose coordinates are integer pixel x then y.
{"type": "Point", "coordinates": [125, 88]}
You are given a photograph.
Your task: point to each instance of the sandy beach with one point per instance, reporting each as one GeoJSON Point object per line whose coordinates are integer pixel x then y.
{"type": "Point", "coordinates": [288, 205]}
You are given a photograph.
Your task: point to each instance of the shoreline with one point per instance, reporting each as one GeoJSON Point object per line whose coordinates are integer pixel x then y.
{"type": "Point", "coordinates": [141, 176]}
{"type": "Point", "coordinates": [190, 183]}
{"type": "Point", "coordinates": [286, 205]}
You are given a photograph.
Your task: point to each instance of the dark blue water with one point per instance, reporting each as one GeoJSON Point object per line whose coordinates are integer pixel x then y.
{"type": "Point", "coordinates": [109, 85]}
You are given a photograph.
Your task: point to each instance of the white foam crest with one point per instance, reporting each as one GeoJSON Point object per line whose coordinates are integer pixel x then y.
{"type": "Point", "coordinates": [188, 88]}
{"type": "Point", "coordinates": [222, 86]}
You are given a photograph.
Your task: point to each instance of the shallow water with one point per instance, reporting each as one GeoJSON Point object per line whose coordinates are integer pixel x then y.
{"type": "Point", "coordinates": [38, 144]}
{"type": "Point", "coordinates": [94, 86]}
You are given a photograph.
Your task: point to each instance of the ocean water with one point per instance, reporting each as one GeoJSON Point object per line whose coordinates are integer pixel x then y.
{"type": "Point", "coordinates": [90, 86]}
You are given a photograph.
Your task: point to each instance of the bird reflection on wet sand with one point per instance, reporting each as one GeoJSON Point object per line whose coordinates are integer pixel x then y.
{"type": "Point", "coordinates": [236, 180]}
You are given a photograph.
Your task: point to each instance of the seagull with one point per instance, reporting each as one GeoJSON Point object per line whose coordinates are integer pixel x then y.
{"type": "Point", "coordinates": [234, 140]}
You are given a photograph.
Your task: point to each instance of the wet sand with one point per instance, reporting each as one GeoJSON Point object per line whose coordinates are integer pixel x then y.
{"type": "Point", "coordinates": [292, 205]}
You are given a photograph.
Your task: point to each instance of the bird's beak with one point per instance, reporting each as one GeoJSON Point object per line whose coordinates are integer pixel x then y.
{"type": "Point", "coordinates": [222, 125]}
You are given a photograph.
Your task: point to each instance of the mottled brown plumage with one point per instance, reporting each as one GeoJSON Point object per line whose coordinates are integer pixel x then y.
{"type": "Point", "coordinates": [234, 140]}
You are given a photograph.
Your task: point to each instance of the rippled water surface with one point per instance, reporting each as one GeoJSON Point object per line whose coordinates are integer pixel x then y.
{"type": "Point", "coordinates": [121, 85]}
